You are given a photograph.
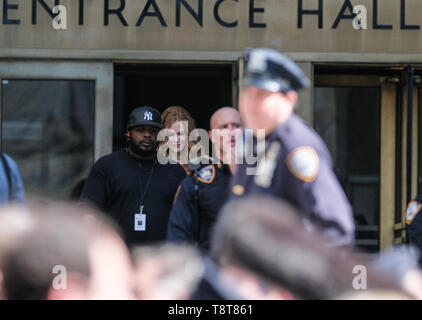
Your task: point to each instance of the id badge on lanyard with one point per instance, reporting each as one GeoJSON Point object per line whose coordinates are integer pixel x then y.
{"type": "Point", "coordinates": [140, 221]}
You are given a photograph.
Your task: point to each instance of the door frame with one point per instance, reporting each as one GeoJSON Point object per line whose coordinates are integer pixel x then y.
{"type": "Point", "coordinates": [100, 72]}
{"type": "Point", "coordinates": [387, 185]}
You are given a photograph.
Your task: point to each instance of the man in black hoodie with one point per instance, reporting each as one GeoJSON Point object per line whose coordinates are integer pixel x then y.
{"type": "Point", "coordinates": [132, 186]}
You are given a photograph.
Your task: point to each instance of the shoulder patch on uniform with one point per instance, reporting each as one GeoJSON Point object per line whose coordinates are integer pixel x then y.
{"type": "Point", "coordinates": [207, 174]}
{"type": "Point", "coordinates": [303, 163]}
{"type": "Point", "coordinates": [413, 209]}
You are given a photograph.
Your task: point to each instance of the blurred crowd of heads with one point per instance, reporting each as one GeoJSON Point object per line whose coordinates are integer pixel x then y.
{"type": "Point", "coordinates": [259, 250]}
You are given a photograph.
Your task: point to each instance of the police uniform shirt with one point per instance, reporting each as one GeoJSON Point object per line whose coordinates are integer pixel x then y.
{"type": "Point", "coordinates": [414, 222]}
{"type": "Point", "coordinates": [116, 183]}
{"type": "Point", "coordinates": [298, 169]}
{"type": "Point", "coordinates": [186, 223]}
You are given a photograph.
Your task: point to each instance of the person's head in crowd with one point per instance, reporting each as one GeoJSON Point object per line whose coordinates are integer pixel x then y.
{"type": "Point", "coordinates": [264, 251]}
{"type": "Point", "coordinates": [142, 129]}
{"type": "Point", "coordinates": [225, 128]}
{"type": "Point", "coordinates": [374, 295]}
{"type": "Point", "coordinates": [401, 265]}
{"type": "Point", "coordinates": [180, 124]}
{"type": "Point", "coordinates": [166, 271]}
{"type": "Point", "coordinates": [70, 252]}
{"type": "Point", "coordinates": [15, 221]}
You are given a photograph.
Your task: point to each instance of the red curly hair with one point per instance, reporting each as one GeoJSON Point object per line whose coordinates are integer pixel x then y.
{"type": "Point", "coordinates": [177, 113]}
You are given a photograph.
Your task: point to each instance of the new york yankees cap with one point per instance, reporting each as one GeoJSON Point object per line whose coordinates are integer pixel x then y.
{"type": "Point", "coordinates": [144, 116]}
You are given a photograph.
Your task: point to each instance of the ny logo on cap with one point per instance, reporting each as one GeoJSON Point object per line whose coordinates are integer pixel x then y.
{"type": "Point", "coordinates": [148, 115]}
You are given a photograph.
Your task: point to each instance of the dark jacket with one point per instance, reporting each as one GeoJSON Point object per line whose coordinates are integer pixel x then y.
{"type": "Point", "coordinates": [191, 220]}
{"type": "Point", "coordinates": [414, 222]}
{"type": "Point", "coordinates": [118, 182]}
{"type": "Point", "coordinates": [298, 169]}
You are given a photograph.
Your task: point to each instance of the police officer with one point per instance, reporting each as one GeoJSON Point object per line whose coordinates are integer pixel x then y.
{"type": "Point", "coordinates": [296, 164]}
{"type": "Point", "coordinates": [132, 186]}
{"type": "Point", "coordinates": [414, 223]}
{"type": "Point", "coordinates": [203, 192]}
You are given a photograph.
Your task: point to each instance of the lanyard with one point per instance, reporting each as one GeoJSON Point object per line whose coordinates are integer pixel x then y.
{"type": "Point", "coordinates": [141, 207]}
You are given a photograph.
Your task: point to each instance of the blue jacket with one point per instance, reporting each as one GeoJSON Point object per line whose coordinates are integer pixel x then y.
{"type": "Point", "coordinates": [298, 169]}
{"type": "Point", "coordinates": [414, 222]}
{"type": "Point", "coordinates": [16, 188]}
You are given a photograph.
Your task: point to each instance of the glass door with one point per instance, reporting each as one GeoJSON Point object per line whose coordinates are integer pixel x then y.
{"type": "Point", "coordinates": [55, 121]}
{"type": "Point", "coordinates": [356, 116]}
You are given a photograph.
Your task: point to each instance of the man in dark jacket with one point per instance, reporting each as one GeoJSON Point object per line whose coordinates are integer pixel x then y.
{"type": "Point", "coordinates": [132, 186]}
{"type": "Point", "coordinates": [295, 164]}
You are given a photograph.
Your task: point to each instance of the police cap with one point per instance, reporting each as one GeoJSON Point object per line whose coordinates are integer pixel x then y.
{"type": "Point", "coordinates": [270, 70]}
{"type": "Point", "coordinates": [144, 116]}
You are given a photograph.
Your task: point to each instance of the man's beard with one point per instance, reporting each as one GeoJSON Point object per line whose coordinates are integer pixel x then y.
{"type": "Point", "coordinates": [142, 152]}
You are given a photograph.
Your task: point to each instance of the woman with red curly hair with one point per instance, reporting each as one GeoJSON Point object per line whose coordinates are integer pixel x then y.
{"type": "Point", "coordinates": [180, 124]}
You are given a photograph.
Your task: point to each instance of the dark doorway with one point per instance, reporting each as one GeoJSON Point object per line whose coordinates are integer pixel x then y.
{"type": "Point", "coordinates": [201, 89]}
